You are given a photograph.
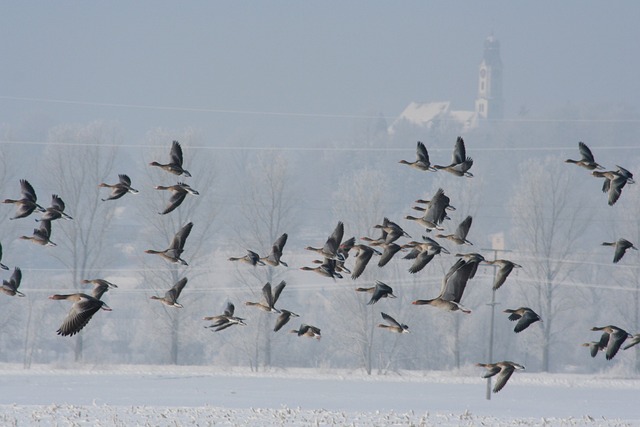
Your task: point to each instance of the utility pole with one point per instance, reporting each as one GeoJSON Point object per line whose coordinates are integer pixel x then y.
{"type": "Point", "coordinates": [497, 246]}
{"type": "Point", "coordinates": [493, 315]}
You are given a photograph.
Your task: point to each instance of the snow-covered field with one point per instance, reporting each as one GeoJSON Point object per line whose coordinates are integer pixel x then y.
{"type": "Point", "coordinates": [196, 395]}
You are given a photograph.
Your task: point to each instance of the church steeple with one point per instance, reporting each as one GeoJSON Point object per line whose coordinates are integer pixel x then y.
{"type": "Point", "coordinates": [489, 101]}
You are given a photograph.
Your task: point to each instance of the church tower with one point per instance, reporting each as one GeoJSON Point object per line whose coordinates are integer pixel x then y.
{"type": "Point", "coordinates": [489, 101]}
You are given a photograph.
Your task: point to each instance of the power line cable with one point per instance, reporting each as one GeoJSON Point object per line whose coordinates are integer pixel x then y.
{"type": "Point", "coordinates": [287, 113]}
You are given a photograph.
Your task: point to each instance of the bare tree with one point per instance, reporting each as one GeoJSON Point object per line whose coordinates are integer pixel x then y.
{"type": "Point", "coordinates": [548, 220]}
{"type": "Point", "coordinates": [267, 210]}
{"type": "Point", "coordinates": [627, 275]}
{"type": "Point", "coordinates": [158, 276]}
{"type": "Point", "coordinates": [360, 202]}
{"type": "Point", "coordinates": [79, 157]}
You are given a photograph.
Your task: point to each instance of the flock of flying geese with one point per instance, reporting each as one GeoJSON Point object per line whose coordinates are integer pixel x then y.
{"type": "Point", "coordinates": [334, 254]}
{"type": "Point", "coordinates": [612, 336]}
{"type": "Point", "coordinates": [85, 305]}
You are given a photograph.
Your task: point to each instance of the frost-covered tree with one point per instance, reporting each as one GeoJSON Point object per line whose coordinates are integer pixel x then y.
{"type": "Point", "coordinates": [157, 276]}
{"type": "Point", "coordinates": [78, 158]}
{"type": "Point", "coordinates": [549, 220]}
{"type": "Point", "coordinates": [266, 209]}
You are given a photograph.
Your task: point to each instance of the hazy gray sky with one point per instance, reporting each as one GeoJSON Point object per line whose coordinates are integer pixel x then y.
{"type": "Point", "coordinates": [336, 58]}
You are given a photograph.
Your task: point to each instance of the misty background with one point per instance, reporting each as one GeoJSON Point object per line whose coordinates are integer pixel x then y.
{"type": "Point", "coordinates": [284, 112]}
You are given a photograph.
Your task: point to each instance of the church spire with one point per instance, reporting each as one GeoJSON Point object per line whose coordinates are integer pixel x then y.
{"type": "Point", "coordinates": [489, 101]}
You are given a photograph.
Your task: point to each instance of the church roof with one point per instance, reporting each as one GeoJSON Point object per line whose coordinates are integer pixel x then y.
{"type": "Point", "coordinates": [425, 114]}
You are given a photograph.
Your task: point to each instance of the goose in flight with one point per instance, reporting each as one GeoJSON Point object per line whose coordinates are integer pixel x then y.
{"type": "Point", "coordinates": [283, 319]}
{"type": "Point", "coordinates": [362, 258]}
{"type": "Point", "coordinates": [453, 286]}
{"type": "Point", "coordinates": [504, 269]}
{"type": "Point", "coordinates": [434, 213]}
{"type": "Point", "coordinates": [269, 298]}
{"type": "Point", "coordinates": [10, 287]}
{"type": "Point", "coordinates": [307, 331]}
{"type": "Point", "coordinates": [393, 325]}
{"type": "Point", "coordinates": [175, 163]}
{"type": "Point", "coordinates": [422, 159]}
{"type": "Point", "coordinates": [331, 246]}
{"type": "Point", "coordinates": [174, 251]}
{"type": "Point", "coordinates": [170, 298]}
{"type": "Point", "coordinates": [380, 290]}
{"type": "Point", "coordinates": [55, 211]}
{"type": "Point", "coordinates": [274, 257]}
{"type": "Point", "coordinates": [27, 203]}
{"type": "Point", "coordinates": [422, 253]}
{"type": "Point", "coordinates": [327, 268]}
{"type": "Point", "coordinates": [119, 189]}
{"type": "Point", "coordinates": [614, 182]}
{"type": "Point", "coordinates": [502, 369]}
{"type": "Point", "coordinates": [586, 158]}
{"type": "Point", "coordinates": [525, 317]}
{"type": "Point", "coordinates": [225, 320]}
{"type": "Point", "coordinates": [614, 337]}
{"type": "Point", "coordinates": [621, 246]}
{"type": "Point", "coordinates": [41, 235]}
{"type": "Point", "coordinates": [391, 231]}
{"type": "Point", "coordinates": [178, 194]}
{"type": "Point", "coordinates": [251, 258]}
{"type": "Point", "coordinates": [460, 163]}
{"type": "Point", "coordinates": [390, 249]}
{"type": "Point", "coordinates": [460, 235]}
{"type": "Point", "coordinates": [83, 308]}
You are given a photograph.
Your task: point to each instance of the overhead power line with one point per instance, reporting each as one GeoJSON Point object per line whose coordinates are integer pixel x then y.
{"type": "Point", "coordinates": [286, 113]}
{"type": "Point", "coordinates": [308, 149]}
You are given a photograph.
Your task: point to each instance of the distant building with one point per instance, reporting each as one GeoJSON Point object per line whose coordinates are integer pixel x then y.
{"type": "Point", "coordinates": [488, 105]}
{"type": "Point", "coordinates": [489, 101]}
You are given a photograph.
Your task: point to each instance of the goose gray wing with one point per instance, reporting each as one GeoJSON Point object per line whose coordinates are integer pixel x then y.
{"type": "Point", "coordinates": [176, 199]}
{"type": "Point", "coordinates": [229, 309]}
{"type": "Point", "coordinates": [422, 154]}
{"type": "Point", "coordinates": [456, 281]}
{"type": "Point", "coordinates": [44, 230]}
{"type": "Point", "coordinates": [527, 319]}
{"type": "Point", "coordinates": [282, 240]}
{"type": "Point", "coordinates": [503, 376]}
{"type": "Point", "coordinates": [585, 152]}
{"type": "Point", "coordinates": [459, 152]}
{"type": "Point", "coordinates": [463, 228]}
{"type": "Point", "coordinates": [615, 189]}
{"type": "Point", "coordinates": [333, 242]}
{"type": "Point", "coordinates": [621, 247]}
{"type": "Point", "coordinates": [173, 293]}
{"type": "Point", "coordinates": [283, 319]}
{"type": "Point", "coordinates": [362, 259]}
{"type": "Point", "coordinates": [390, 250]}
{"type": "Point", "coordinates": [57, 203]}
{"type": "Point", "coordinates": [502, 274]}
{"type": "Point", "coordinates": [16, 277]}
{"type": "Point", "coordinates": [176, 153]}
{"type": "Point", "coordinates": [268, 296]}
{"type": "Point", "coordinates": [181, 236]}
{"type": "Point", "coordinates": [391, 320]}
{"type": "Point", "coordinates": [278, 290]}
{"type": "Point", "coordinates": [81, 312]}
{"type": "Point", "coordinates": [421, 261]}
{"type": "Point", "coordinates": [124, 179]}
{"type": "Point", "coordinates": [615, 341]}
{"type": "Point", "coordinates": [27, 190]}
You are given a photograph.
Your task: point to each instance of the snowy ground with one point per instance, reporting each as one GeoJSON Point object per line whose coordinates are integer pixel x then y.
{"type": "Point", "coordinates": [160, 395]}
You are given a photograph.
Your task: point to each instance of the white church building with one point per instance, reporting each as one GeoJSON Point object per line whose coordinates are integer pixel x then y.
{"type": "Point", "coordinates": [488, 105]}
